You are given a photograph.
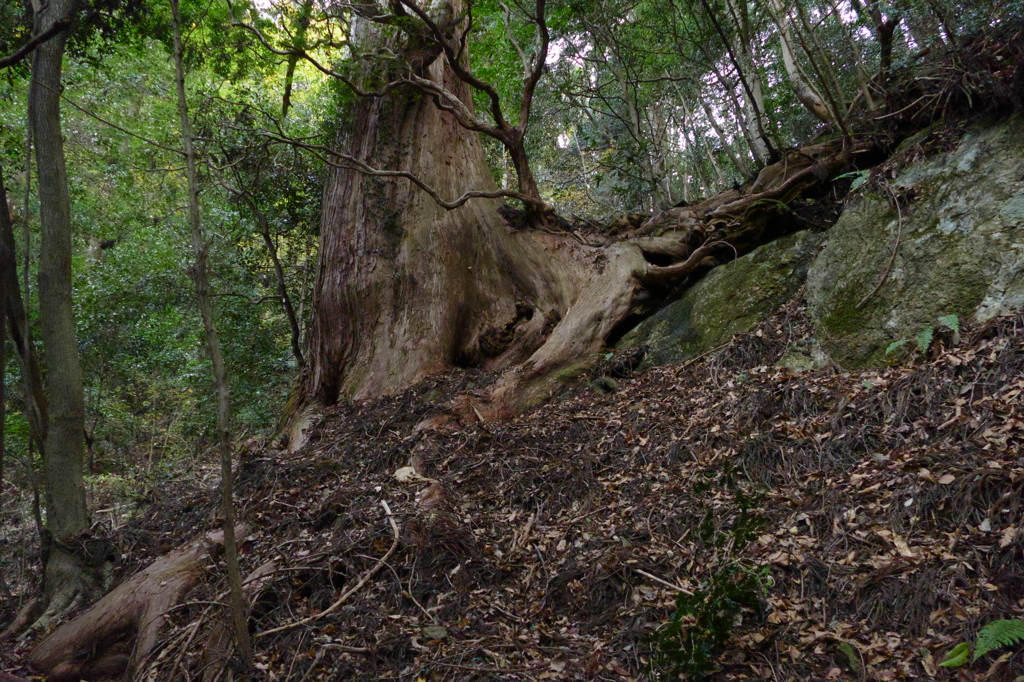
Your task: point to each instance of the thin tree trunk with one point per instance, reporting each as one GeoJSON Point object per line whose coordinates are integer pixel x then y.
{"type": "Point", "coordinates": [66, 517]}
{"type": "Point", "coordinates": [301, 26]}
{"type": "Point", "coordinates": [751, 90]}
{"type": "Point", "coordinates": [804, 91]}
{"type": "Point", "coordinates": [14, 312]}
{"type": "Point", "coordinates": [201, 277]}
{"type": "Point", "coordinates": [746, 71]}
{"type": "Point", "coordinates": [863, 81]}
{"type": "Point", "coordinates": [3, 373]}
{"type": "Point", "coordinates": [282, 288]}
{"type": "Point", "coordinates": [739, 160]}
{"type": "Point", "coordinates": [649, 166]}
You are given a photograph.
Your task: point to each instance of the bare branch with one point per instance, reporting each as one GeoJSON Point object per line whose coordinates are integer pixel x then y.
{"type": "Point", "coordinates": [453, 57]}
{"type": "Point", "coordinates": [33, 42]}
{"type": "Point", "coordinates": [113, 125]}
{"type": "Point", "coordinates": [512, 39]}
{"type": "Point", "coordinates": [540, 60]}
{"type": "Point", "coordinates": [352, 163]}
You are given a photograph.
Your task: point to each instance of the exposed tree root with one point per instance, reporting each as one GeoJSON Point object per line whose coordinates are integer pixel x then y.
{"type": "Point", "coordinates": [691, 239]}
{"type": "Point", "coordinates": [28, 613]}
{"type": "Point", "coordinates": [122, 627]}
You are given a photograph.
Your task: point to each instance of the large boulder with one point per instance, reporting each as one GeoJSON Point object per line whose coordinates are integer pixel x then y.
{"type": "Point", "coordinates": [732, 299]}
{"type": "Point", "coordinates": [961, 249]}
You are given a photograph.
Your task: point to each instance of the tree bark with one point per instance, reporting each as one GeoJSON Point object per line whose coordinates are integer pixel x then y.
{"type": "Point", "coordinates": [220, 376]}
{"type": "Point", "coordinates": [66, 578]}
{"type": "Point", "coordinates": [14, 312]}
{"type": "Point", "coordinates": [119, 630]}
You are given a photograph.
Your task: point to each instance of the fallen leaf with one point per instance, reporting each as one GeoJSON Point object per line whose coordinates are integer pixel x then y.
{"type": "Point", "coordinates": [1008, 535]}
{"type": "Point", "coordinates": [409, 475]}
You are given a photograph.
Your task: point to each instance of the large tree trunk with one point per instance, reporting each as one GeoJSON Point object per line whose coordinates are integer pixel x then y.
{"type": "Point", "coordinates": [67, 521]}
{"type": "Point", "coordinates": [406, 288]}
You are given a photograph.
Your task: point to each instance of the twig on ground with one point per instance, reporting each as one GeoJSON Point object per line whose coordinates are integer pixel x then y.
{"type": "Point", "coordinates": [355, 588]}
{"type": "Point", "coordinates": [666, 583]}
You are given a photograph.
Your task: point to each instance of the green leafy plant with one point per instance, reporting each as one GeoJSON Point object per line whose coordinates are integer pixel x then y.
{"type": "Point", "coordinates": [859, 178]}
{"type": "Point", "coordinates": [895, 346]}
{"type": "Point", "coordinates": [702, 623]}
{"type": "Point", "coordinates": [951, 321]}
{"type": "Point", "coordinates": [924, 338]}
{"type": "Point", "coordinates": [997, 634]}
{"type": "Point", "coordinates": [957, 657]}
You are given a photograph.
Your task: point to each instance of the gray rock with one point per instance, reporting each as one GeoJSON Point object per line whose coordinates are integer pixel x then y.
{"type": "Point", "coordinates": [732, 299]}
{"type": "Point", "coordinates": [961, 250]}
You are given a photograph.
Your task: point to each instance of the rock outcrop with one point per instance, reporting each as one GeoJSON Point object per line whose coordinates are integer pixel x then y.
{"type": "Point", "coordinates": [945, 237]}
{"type": "Point", "coordinates": [732, 299]}
{"type": "Point", "coordinates": [958, 237]}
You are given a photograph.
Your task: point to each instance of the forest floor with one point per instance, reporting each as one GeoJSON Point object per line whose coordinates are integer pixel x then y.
{"type": "Point", "coordinates": [830, 525]}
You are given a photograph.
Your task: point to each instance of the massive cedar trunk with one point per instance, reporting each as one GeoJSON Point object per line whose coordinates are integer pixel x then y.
{"type": "Point", "coordinates": [66, 518]}
{"type": "Point", "coordinates": [406, 288]}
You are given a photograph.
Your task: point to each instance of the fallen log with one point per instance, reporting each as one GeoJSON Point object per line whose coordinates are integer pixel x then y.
{"type": "Point", "coordinates": [99, 642]}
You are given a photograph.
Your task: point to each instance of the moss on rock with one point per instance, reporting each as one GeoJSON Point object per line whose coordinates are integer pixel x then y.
{"type": "Point", "coordinates": [732, 299]}
{"type": "Point", "coordinates": [961, 249]}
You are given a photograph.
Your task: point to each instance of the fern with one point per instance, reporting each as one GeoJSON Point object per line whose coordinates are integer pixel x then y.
{"type": "Point", "coordinates": [998, 633]}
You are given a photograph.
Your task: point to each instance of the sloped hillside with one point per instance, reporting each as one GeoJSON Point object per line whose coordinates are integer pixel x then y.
{"type": "Point", "coordinates": [828, 525]}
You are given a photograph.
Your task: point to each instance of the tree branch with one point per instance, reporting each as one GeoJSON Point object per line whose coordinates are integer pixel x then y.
{"type": "Point", "coordinates": [352, 163]}
{"type": "Point", "coordinates": [33, 43]}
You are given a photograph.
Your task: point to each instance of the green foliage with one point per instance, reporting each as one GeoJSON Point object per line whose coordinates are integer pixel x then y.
{"type": "Point", "coordinates": [924, 338]}
{"type": "Point", "coordinates": [702, 623]}
{"type": "Point", "coordinates": [951, 321]}
{"type": "Point", "coordinates": [957, 657]}
{"type": "Point", "coordinates": [859, 178]}
{"type": "Point", "coordinates": [895, 346]}
{"type": "Point", "coordinates": [998, 633]}
{"type": "Point", "coordinates": [147, 377]}
{"type": "Point", "coordinates": [995, 635]}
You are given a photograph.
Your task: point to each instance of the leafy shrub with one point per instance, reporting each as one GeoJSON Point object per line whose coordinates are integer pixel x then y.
{"type": "Point", "coordinates": [702, 624]}
{"type": "Point", "coordinates": [998, 633]}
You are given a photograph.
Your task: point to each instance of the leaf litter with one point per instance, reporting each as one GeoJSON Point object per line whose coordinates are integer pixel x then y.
{"type": "Point", "coordinates": [554, 546]}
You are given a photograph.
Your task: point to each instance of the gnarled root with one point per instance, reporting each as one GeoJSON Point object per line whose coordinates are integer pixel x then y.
{"type": "Point", "coordinates": [98, 642]}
